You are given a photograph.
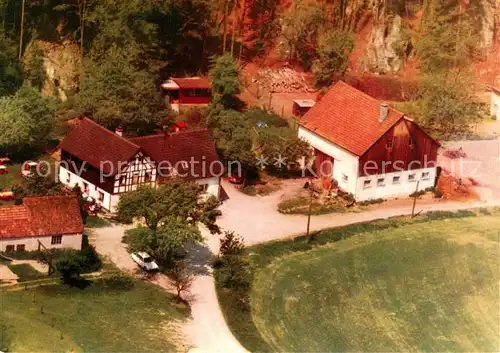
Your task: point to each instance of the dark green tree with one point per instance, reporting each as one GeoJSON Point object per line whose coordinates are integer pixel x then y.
{"type": "Point", "coordinates": [115, 93]}
{"type": "Point", "coordinates": [334, 49]}
{"type": "Point", "coordinates": [174, 199]}
{"type": "Point", "coordinates": [26, 120]}
{"type": "Point", "coordinates": [33, 67]}
{"type": "Point", "coordinates": [163, 242]}
{"type": "Point", "coordinates": [448, 104]}
{"type": "Point", "coordinates": [11, 77]}
{"type": "Point", "coordinates": [448, 35]}
{"type": "Point", "coordinates": [226, 83]}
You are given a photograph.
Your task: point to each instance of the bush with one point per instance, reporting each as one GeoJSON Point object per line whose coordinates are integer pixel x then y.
{"type": "Point", "coordinates": [118, 282]}
{"type": "Point", "coordinates": [438, 215]}
{"type": "Point", "coordinates": [370, 202]}
{"type": "Point", "coordinates": [250, 190]}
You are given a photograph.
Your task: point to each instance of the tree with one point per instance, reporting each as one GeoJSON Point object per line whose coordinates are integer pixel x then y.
{"type": "Point", "coordinates": [36, 185]}
{"type": "Point", "coordinates": [11, 77]}
{"type": "Point", "coordinates": [226, 82]}
{"type": "Point", "coordinates": [301, 24]}
{"type": "Point", "coordinates": [33, 67]}
{"type": "Point", "coordinates": [26, 120]}
{"type": "Point", "coordinates": [282, 144]}
{"type": "Point", "coordinates": [181, 278]}
{"type": "Point", "coordinates": [174, 199]}
{"type": "Point", "coordinates": [163, 242]}
{"type": "Point", "coordinates": [448, 104]}
{"type": "Point", "coordinates": [448, 35]}
{"type": "Point", "coordinates": [334, 49]}
{"type": "Point", "coordinates": [116, 94]}
{"type": "Point", "coordinates": [232, 134]}
{"type": "Point", "coordinates": [231, 244]}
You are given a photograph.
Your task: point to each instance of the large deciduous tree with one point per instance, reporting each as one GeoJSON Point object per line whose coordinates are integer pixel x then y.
{"type": "Point", "coordinates": [226, 82]}
{"type": "Point", "coordinates": [334, 48]}
{"type": "Point", "coordinates": [116, 94]}
{"type": "Point", "coordinates": [448, 104]}
{"type": "Point", "coordinates": [26, 120]}
{"type": "Point", "coordinates": [174, 199]}
{"type": "Point", "coordinates": [163, 242]}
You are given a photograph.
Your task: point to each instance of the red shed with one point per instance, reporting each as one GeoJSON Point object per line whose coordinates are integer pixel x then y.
{"type": "Point", "coordinates": [189, 91]}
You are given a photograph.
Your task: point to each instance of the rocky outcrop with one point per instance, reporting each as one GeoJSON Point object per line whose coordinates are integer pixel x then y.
{"type": "Point", "coordinates": [61, 65]}
{"type": "Point", "coordinates": [387, 46]}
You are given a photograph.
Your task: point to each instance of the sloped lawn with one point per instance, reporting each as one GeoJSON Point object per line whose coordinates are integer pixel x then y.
{"type": "Point", "coordinates": [397, 285]}
{"type": "Point", "coordinates": [99, 318]}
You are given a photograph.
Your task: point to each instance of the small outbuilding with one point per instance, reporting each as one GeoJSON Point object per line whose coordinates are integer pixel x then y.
{"type": "Point", "coordinates": [190, 91]}
{"type": "Point", "coordinates": [48, 221]}
{"type": "Point", "coordinates": [302, 106]}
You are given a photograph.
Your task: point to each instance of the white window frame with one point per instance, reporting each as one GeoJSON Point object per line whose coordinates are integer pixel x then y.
{"type": "Point", "coordinates": [412, 177]}
{"type": "Point", "coordinates": [396, 179]}
{"type": "Point", "coordinates": [380, 182]}
{"type": "Point", "coordinates": [367, 184]}
{"type": "Point", "coordinates": [425, 175]}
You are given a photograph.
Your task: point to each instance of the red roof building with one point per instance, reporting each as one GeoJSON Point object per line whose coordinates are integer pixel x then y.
{"type": "Point", "coordinates": [365, 146]}
{"type": "Point", "coordinates": [54, 221]}
{"type": "Point", "coordinates": [189, 91]}
{"type": "Point", "coordinates": [105, 164]}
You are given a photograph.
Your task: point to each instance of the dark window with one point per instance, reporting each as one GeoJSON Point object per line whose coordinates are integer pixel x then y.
{"type": "Point", "coordinates": [381, 182]}
{"type": "Point", "coordinates": [135, 178]}
{"type": "Point", "coordinates": [101, 196]}
{"type": "Point", "coordinates": [123, 179]}
{"type": "Point", "coordinates": [147, 176]}
{"type": "Point", "coordinates": [9, 248]}
{"type": "Point", "coordinates": [396, 179]}
{"type": "Point", "coordinates": [20, 247]}
{"type": "Point", "coordinates": [411, 177]}
{"type": "Point", "coordinates": [56, 239]}
{"type": "Point", "coordinates": [389, 143]}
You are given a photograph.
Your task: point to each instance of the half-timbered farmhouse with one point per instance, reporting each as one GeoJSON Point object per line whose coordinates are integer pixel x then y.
{"type": "Point", "coordinates": [105, 164]}
{"type": "Point", "coordinates": [368, 148]}
{"type": "Point", "coordinates": [47, 221]}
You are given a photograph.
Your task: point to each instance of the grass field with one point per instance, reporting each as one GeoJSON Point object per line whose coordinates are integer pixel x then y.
{"type": "Point", "coordinates": [99, 318]}
{"type": "Point", "coordinates": [397, 285]}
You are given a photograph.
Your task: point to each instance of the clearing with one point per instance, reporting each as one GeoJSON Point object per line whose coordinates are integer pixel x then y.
{"type": "Point", "coordinates": [431, 284]}
{"type": "Point", "coordinates": [104, 317]}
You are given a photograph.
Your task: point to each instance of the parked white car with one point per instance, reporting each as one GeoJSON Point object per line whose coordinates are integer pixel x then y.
{"type": "Point", "coordinates": [144, 261]}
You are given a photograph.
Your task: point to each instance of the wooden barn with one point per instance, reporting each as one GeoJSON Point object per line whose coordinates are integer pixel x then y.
{"type": "Point", "coordinates": [368, 148]}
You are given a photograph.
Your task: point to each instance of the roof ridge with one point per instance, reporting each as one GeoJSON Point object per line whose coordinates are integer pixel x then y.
{"type": "Point", "coordinates": [170, 133]}
{"type": "Point", "coordinates": [111, 132]}
{"type": "Point", "coordinates": [368, 96]}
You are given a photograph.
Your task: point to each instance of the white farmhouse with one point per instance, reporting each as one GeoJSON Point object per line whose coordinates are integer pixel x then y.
{"type": "Point", "coordinates": [370, 149]}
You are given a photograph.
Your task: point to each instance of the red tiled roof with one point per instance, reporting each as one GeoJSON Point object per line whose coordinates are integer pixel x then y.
{"type": "Point", "coordinates": [349, 118]}
{"type": "Point", "coordinates": [41, 216]}
{"type": "Point", "coordinates": [184, 146]}
{"type": "Point", "coordinates": [92, 143]}
{"type": "Point", "coordinates": [192, 82]}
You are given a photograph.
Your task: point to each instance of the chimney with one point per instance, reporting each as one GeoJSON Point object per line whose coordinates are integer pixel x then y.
{"type": "Point", "coordinates": [119, 131]}
{"type": "Point", "coordinates": [384, 111]}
